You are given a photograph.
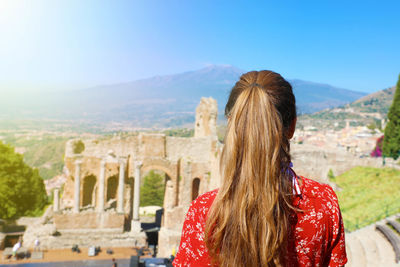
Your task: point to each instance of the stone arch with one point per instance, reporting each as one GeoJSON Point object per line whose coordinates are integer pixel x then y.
{"type": "Point", "coordinates": [195, 188]}
{"type": "Point", "coordinates": [167, 171]}
{"type": "Point", "coordinates": [112, 187]}
{"type": "Point", "coordinates": [171, 180]}
{"type": "Point", "coordinates": [88, 192]}
{"type": "Point", "coordinates": [161, 164]}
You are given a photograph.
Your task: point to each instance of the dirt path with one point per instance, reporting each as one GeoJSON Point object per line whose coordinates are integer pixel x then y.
{"type": "Point", "coordinates": [68, 255]}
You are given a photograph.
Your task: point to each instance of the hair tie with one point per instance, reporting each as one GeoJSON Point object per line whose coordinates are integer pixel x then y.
{"type": "Point", "coordinates": [256, 85]}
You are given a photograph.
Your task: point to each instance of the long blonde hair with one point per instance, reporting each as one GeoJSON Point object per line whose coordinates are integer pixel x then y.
{"type": "Point", "coordinates": [248, 223]}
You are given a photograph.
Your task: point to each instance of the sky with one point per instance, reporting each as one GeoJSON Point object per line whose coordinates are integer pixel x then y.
{"type": "Point", "coordinates": [73, 44]}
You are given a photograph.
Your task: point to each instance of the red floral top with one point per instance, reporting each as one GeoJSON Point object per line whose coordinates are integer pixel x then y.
{"type": "Point", "coordinates": [317, 236]}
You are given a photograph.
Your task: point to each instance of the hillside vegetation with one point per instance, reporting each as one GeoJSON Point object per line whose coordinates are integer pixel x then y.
{"type": "Point", "coordinates": [376, 102]}
{"type": "Point", "coordinates": [366, 111]}
{"type": "Point", "coordinates": [44, 152]}
{"type": "Point", "coordinates": [368, 195]}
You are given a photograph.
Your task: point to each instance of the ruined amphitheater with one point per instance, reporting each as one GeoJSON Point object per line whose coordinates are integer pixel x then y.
{"type": "Point", "coordinates": [99, 202]}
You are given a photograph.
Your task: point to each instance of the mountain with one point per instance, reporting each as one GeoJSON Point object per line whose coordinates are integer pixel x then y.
{"type": "Point", "coordinates": [312, 97]}
{"type": "Point", "coordinates": [161, 101]}
{"type": "Point", "coordinates": [216, 81]}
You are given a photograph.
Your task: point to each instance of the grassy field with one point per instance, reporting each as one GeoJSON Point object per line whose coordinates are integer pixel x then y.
{"type": "Point", "coordinates": [368, 195]}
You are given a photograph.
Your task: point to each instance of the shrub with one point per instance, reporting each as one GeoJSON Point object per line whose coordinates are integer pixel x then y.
{"type": "Point", "coordinates": [79, 147]}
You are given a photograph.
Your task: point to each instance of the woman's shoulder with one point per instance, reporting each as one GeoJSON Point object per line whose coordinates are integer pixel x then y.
{"type": "Point", "coordinates": [320, 224]}
{"type": "Point", "coordinates": [204, 201]}
{"type": "Point", "coordinates": [199, 208]}
{"type": "Point", "coordinates": [319, 191]}
{"type": "Point", "coordinates": [192, 250]}
{"type": "Point", "coordinates": [208, 196]}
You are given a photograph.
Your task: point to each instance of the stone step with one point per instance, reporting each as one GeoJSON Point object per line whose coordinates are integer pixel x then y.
{"type": "Point", "coordinates": [392, 237]}
{"type": "Point", "coordinates": [367, 247]}
{"type": "Point", "coordinates": [349, 252]}
{"type": "Point", "coordinates": [111, 231]}
{"type": "Point", "coordinates": [371, 251]}
{"type": "Point", "coordinates": [395, 224]}
{"type": "Point", "coordinates": [357, 253]}
{"type": "Point", "coordinates": [385, 250]}
{"type": "Point", "coordinates": [116, 240]}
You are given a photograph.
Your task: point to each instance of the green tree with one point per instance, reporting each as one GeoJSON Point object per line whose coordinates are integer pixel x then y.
{"type": "Point", "coordinates": [22, 190]}
{"type": "Point", "coordinates": [391, 141]}
{"type": "Point", "coordinates": [152, 190]}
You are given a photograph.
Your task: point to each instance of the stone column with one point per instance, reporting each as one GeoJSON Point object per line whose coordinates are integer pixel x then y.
{"type": "Point", "coordinates": [77, 185]}
{"type": "Point", "coordinates": [56, 200]}
{"type": "Point", "coordinates": [100, 194]}
{"type": "Point", "coordinates": [121, 184]}
{"type": "Point", "coordinates": [136, 198]}
{"type": "Point", "coordinates": [169, 195]}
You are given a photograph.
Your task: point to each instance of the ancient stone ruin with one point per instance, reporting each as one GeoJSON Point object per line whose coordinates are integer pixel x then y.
{"type": "Point", "coordinates": [101, 194]}
{"type": "Point", "coordinates": [206, 118]}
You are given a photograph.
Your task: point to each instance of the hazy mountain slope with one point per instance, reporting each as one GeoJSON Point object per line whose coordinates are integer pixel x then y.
{"type": "Point", "coordinates": [182, 92]}
{"type": "Point", "coordinates": [368, 110]}
{"type": "Point", "coordinates": [376, 102]}
{"type": "Point", "coordinates": [312, 97]}
{"type": "Point", "coordinates": [162, 100]}
{"type": "Point", "coordinates": [180, 89]}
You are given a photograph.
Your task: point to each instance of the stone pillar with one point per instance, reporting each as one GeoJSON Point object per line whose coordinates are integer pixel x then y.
{"type": "Point", "coordinates": [100, 194]}
{"type": "Point", "coordinates": [121, 185]}
{"type": "Point", "coordinates": [56, 200]}
{"type": "Point", "coordinates": [206, 118]}
{"type": "Point", "coordinates": [77, 192]}
{"type": "Point", "coordinates": [136, 198]}
{"type": "Point", "coordinates": [169, 195]}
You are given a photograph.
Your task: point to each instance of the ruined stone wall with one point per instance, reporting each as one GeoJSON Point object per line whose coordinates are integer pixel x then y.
{"type": "Point", "coordinates": [314, 162]}
{"type": "Point", "coordinates": [192, 170]}
{"type": "Point", "coordinates": [91, 220]}
{"type": "Point", "coordinates": [100, 147]}
{"type": "Point", "coordinates": [90, 167]}
{"type": "Point", "coordinates": [195, 149]}
{"type": "Point", "coordinates": [215, 175]}
{"type": "Point", "coordinates": [151, 145]}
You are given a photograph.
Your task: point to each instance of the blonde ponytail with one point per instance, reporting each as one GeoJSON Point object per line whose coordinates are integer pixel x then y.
{"type": "Point", "coordinates": [248, 224]}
